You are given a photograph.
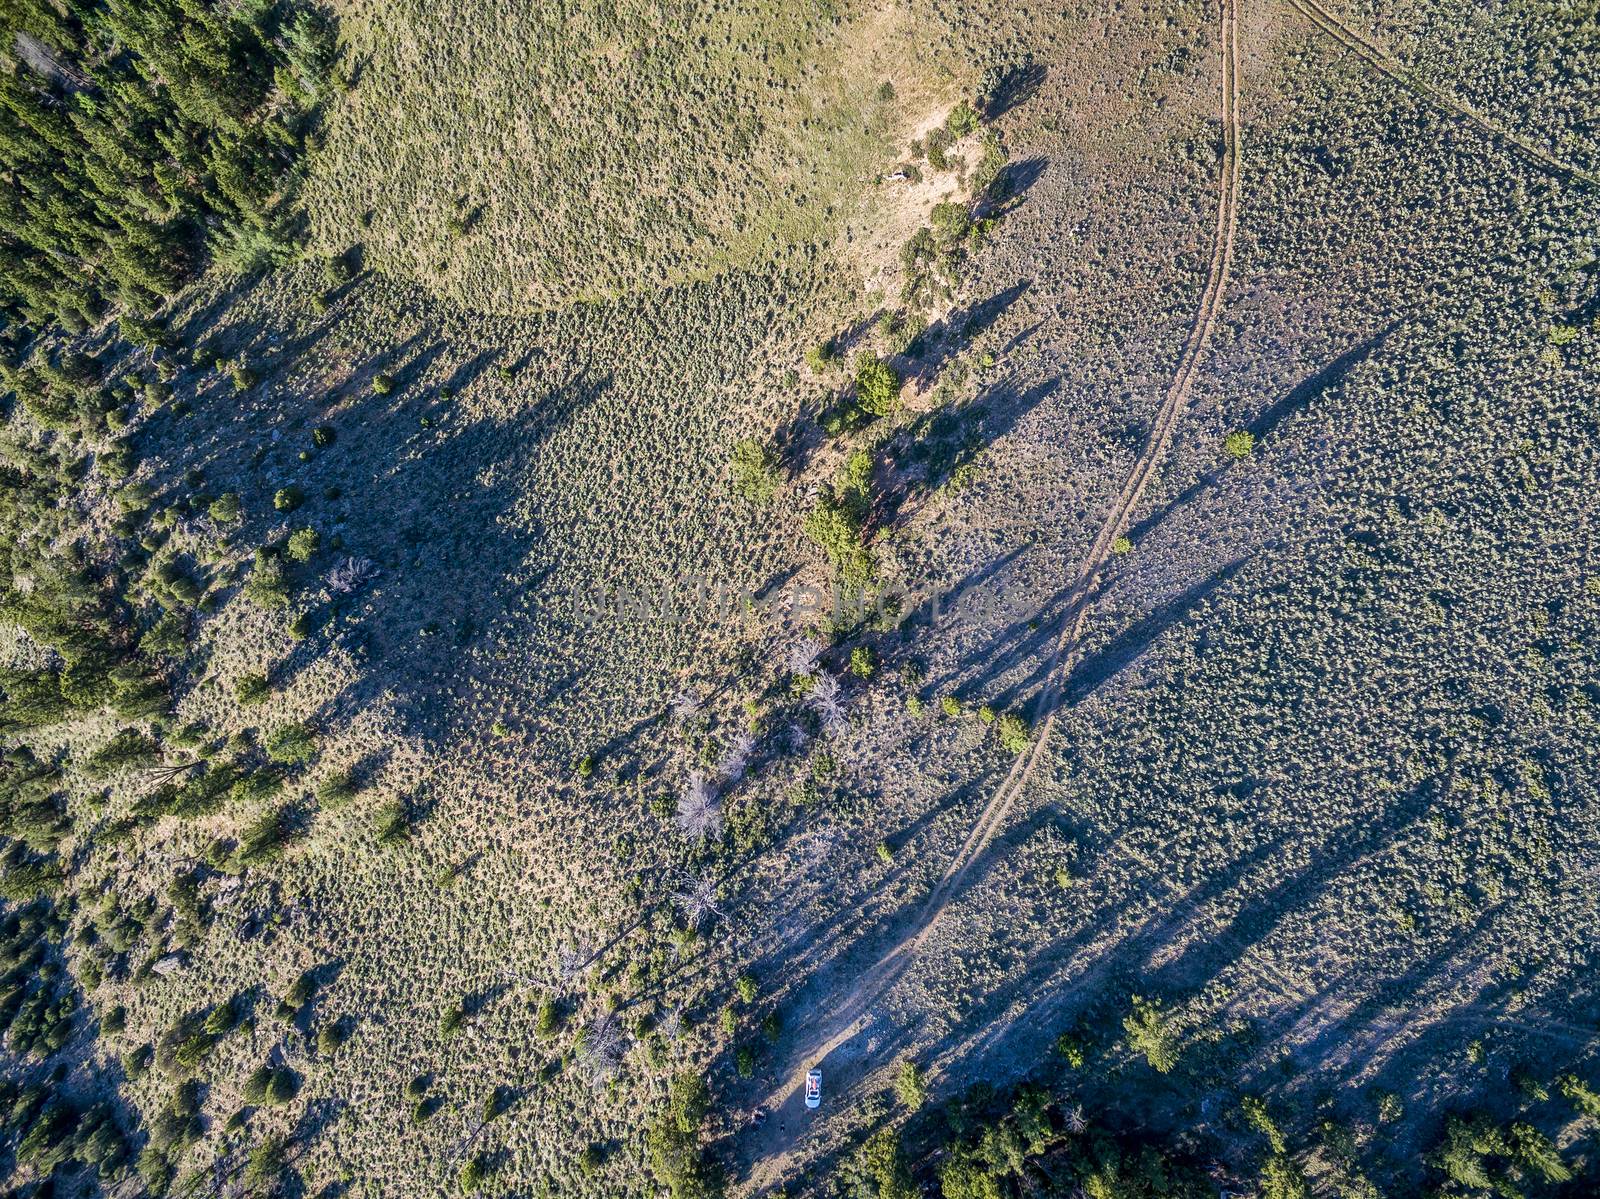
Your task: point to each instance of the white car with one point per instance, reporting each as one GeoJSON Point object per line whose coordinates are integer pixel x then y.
{"type": "Point", "coordinates": [813, 1088]}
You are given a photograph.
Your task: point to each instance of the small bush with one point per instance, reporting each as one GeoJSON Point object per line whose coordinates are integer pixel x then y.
{"type": "Point", "coordinates": [332, 1038]}
{"type": "Point", "coordinates": [755, 474]}
{"type": "Point", "coordinates": [963, 119]}
{"type": "Point", "coordinates": [292, 745]}
{"type": "Point", "coordinates": [821, 356]}
{"type": "Point", "coordinates": [287, 499]}
{"type": "Point", "coordinates": [863, 662]}
{"type": "Point", "coordinates": [382, 384]}
{"type": "Point", "coordinates": [548, 1022]}
{"type": "Point", "coordinates": [283, 1086]}
{"type": "Point", "coordinates": [303, 545]}
{"type": "Point", "coordinates": [393, 823]}
{"type": "Point", "coordinates": [1071, 1050]}
{"type": "Point", "coordinates": [252, 689]}
{"type": "Point", "coordinates": [266, 585]}
{"type": "Point", "coordinates": [1151, 1034]}
{"type": "Point", "coordinates": [1239, 443]}
{"type": "Point", "coordinates": [911, 1085]}
{"type": "Point", "coordinates": [475, 1174]}
{"type": "Point", "coordinates": [338, 788]}
{"type": "Point", "coordinates": [877, 385]}
{"type": "Point", "coordinates": [225, 508]}
{"type": "Point", "coordinates": [1013, 733]}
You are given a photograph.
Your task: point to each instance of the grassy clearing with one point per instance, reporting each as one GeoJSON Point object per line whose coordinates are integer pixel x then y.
{"type": "Point", "coordinates": [513, 156]}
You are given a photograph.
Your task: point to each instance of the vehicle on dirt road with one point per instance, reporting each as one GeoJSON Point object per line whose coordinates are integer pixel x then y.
{"type": "Point", "coordinates": [813, 1088]}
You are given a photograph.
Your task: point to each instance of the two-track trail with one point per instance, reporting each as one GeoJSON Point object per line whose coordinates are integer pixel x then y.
{"type": "Point", "coordinates": [1386, 64]}
{"type": "Point", "coordinates": [771, 1148]}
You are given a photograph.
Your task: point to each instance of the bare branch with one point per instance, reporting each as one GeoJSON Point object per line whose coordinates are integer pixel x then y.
{"type": "Point", "coordinates": [697, 901]}
{"type": "Point", "coordinates": [736, 757]}
{"type": "Point", "coordinates": [800, 657]}
{"type": "Point", "coordinates": [601, 1048]}
{"type": "Point", "coordinates": [699, 810]}
{"type": "Point", "coordinates": [351, 575]}
{"type": "Point", "coordinates": [825, 701]}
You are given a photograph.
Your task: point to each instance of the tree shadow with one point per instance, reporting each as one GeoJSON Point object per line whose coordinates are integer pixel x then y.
{"type": "Point", "coordinates": [1014, 86]}
{"type": "Point", "coordinates": [1100, 667]}
{"type": "Point", "coordinates": [1268, 421]}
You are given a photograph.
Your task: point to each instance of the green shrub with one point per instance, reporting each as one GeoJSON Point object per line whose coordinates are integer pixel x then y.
{"type": "Point", "coordinates": [755, 473]}
{"type": "Point", "coordinates": [1239, 443]}
{"type": "Point", "coordinates": [266, 839]}
{"type": "Point", "coordinates": [265, 1165]}
{"type": "Point", "coordinates": [877, 385]}
{"type": "Point", "coordinates": [1150, 1034]}
{"type": "Point", "coordinates": [292, 745]}
{"type": "Point", "coordinates": [821, 356]}
{"type": "Point", "coordinates": [382, 384]}
{"type": "Point", "coordinates": [1390, 1107]}
{"type": "Point", "coordinates": [332, 1038]}
{"type": "Point", "coordinates": [1257, 1116]}
{"type": "Point", "coordinates": [251, 689]}
{"type": "Point", "coordinates": [255, 1086]}
{"type": "Point", "coordinates": [963, 119]}
{"type": "Point", "coordinates": [225, 508]}
{"type": "Point", "coordinates": [451, 1020]}
{"type": "Point", "coordinates": [1013, 733]}
{"type": "Point", "coordinates": [129, 749]}
{"type": "Point", "coordinates": [1579, 1094]}
{"type": "Point", "coordinates": [393, 823]}
{"type": "Point", "coordinates": [1282, 1179]}
{"type": "Point", "coordinates": [117, 464]}
{"type": "Point", "coordinates": [476, 1173]}
{"type": "Point", "coordinates": [672, 1143]}
{"type": "Point", "coordinates": [1071, 1050]}
{"type": "Point", "coordinates": [287, 499]}
{"type": "Point", "coordinates": [266, 585]}
{"type": "Point", "coordinates": [863, 662]}
{"type": "Point", "coordinates": [911, 1085]}
{"type": "Point", "coordinates": [283, 1086]}
{"type": "Point", "coordinates": [836, 528]}
{"type": "Point", "coordinates": [303, 545]}
{"type": "Point", "coordinates": [338, 788]}
{"type": "Point", "coordinates": [323, 436]}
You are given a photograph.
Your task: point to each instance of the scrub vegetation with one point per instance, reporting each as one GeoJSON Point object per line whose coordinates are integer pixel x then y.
{"type": "Point", "coordinates": [561, 567]}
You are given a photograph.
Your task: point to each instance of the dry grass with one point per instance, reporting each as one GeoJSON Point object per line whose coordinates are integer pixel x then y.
{"type": "Point", "coordinates": [513, 157]}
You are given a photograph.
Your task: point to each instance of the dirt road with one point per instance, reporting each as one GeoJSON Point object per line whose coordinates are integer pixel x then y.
{"type": "Point", "coordinates": [1388, 65]}
{"type": "Point", "coordinates": [770, 1148]}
